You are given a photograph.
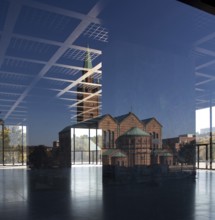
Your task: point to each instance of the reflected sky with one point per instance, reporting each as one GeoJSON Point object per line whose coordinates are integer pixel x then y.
{"type": "Point", "coordinates": [155, 57]}
{"type": "Point", "coordinates": [158, 61]}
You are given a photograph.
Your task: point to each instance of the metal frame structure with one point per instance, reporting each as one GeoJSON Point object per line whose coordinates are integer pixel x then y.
{"type": "Point", "coordinates": [204, 66]}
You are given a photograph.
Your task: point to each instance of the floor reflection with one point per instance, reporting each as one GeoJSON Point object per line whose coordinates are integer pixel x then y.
{"type": "Point", "coordinates": [78, 193]}
{"type": "Point", "coordinates": [205, 195]}
{"type": "Point", "coordinates": [13, 193]}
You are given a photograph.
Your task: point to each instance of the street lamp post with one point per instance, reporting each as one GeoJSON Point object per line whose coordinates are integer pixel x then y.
{"type": "Point", "coordinates": [2, 124]}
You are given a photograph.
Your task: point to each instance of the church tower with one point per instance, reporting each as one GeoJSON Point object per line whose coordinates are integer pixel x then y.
{"type": "Point", "coordinates": [88, 104]}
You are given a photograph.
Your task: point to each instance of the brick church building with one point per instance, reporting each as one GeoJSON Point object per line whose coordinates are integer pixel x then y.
{"type": "Point", "coordinates": [124, 140]}
{"type": "Point", "coordinates": [87, 93]}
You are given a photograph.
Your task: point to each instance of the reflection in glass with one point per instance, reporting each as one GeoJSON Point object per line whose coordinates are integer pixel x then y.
{"type": "Point", "coordinates": [202, 126]}
{"type": "Point", "coordinates": [14, 152]}
{"type": "Point", "coordinates": [205, 137]}
{"type": "Point", "coordinates": [81, 145]}
{"type": "Point", "coordinates": [86, 145]}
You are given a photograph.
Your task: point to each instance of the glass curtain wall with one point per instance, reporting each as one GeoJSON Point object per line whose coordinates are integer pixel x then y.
{"type": "Point", "coordinates": [213, 137]}
{"type": "Point", "coordinates": [205, 138]}
{"type": "Point", "coordinates": [13, 145]}
{"type": "Point", "coordinates": [86, 146]}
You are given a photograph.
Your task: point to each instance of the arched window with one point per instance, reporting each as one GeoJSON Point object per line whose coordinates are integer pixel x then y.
{"type": "Point", "coordinates": [104, 139]}
{"type": "Point", "coordinates": [112, 139]}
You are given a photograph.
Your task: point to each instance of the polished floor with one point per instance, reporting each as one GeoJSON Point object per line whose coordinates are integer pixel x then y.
{"type": "Point", "coordinates": [78, 193]}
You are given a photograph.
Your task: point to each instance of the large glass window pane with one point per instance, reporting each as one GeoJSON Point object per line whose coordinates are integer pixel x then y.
{"type": "Point", "coordinates": [213, 137]}
{"type": "Point", "coordinates": [203, 126]}
{"type": "Point", "coordinates": [14, 145]}
{"type": "Point", "coordinates": [72, 145]}
{"type": "Point", "coordinates": [93, 146]}
{"type": "Point", "coordinates": [213, 155]}
{"type": "Point", "coordinates": [24, 142]}
{"type": "Point", "coordinates": [202, 156]}
{"type": "Point", "coordinates": [99, 138]}
{"type": "Point", "coordinates": [203, 136]}
{"type": "Point", "coordinates": [81, 148]}
{"type": "Point", "coordinates": [95, 149]}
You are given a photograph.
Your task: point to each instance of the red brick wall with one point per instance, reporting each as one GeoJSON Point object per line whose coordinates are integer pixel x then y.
{"type": "Point", "coordinates": [154, 126]}
{"type": "Point", "coordinates": [128, 123]}
{"type": "Point", "coordinates": [138, 146]}
{"type": "Point", "coordinates": [109, 124]}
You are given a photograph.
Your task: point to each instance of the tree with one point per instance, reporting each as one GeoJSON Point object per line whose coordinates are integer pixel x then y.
{"type": "Point", "coordinates": [6, 140]}
{"type": "Point", "coordinates": [187, 153]}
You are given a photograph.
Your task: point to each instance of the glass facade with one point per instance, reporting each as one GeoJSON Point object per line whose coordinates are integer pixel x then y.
{"type": "Point", "coordinates": [86, 146]}
{"type": "Point", "coordinates": [205, 138]}
{"type": "Point", "coordinates": [13, 145]}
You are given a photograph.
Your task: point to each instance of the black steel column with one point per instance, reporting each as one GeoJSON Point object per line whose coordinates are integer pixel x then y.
{"type": "Point", "coordinates": [198, 156]}
{"type": "Point", "coordinates": [73, 145]}
{"type": "Point", "coordinates": [206, 156]}
{"type": "Point", "coordinates": [22, 148]}
{"type": "Point", "coordinates": [211, 141]}
{"type": "Point", "coordinates": [89, 147]}
{"type": "Point", "coordinates": [96, 146]}
{"type": "Point", "coordinates": [3, 143]}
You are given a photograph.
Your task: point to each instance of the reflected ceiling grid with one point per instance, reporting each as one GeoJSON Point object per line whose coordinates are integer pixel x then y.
{"type": "Point", "coordinates": [87, 111]}
{"type": "Point", "coordinates": [204, 53]}
{"type": "Point", "coordinates": [27, 59]}
{"type": "Point", "coordinates": [205, 77]}
{"type": "Point", "coordinates": [85, 99]}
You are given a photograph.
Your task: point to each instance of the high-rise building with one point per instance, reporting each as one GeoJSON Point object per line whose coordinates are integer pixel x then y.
{"type": "Point", "coordinates": [88, 101]}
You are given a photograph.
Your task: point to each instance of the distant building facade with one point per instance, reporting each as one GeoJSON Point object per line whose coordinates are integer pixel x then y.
{"type": "Point", "coordinates": [55, 144]}
{"type": "Point", "coordinates": [177, 142]}
{"type": "Point", "coordinates": [173, 145]}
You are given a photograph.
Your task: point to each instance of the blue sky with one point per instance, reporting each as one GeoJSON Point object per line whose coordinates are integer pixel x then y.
{"type": "Point", "coordinates": [148, 63]}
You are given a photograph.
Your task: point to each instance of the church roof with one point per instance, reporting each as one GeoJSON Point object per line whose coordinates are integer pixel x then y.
{"type": "Point", "coordinates": [90, 123]}
{"type": "Point", "coordinates": [147, 120]}
{"type": "Point", "coordinates": [121, 117]}
{"type": "Point", "coordinates": [113, 153]}
{"type": "Point", "coordinates": [135, 132]}
{"type": "Point", "coordinates": [119, 154]}
{"type": "Point", "coordinates": [109, 152]}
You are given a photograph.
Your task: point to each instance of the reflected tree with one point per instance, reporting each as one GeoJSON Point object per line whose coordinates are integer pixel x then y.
{"type": "Point", "coordinates": [187, 153]}
{"type": "Point", "coordinates": [6, 140]}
